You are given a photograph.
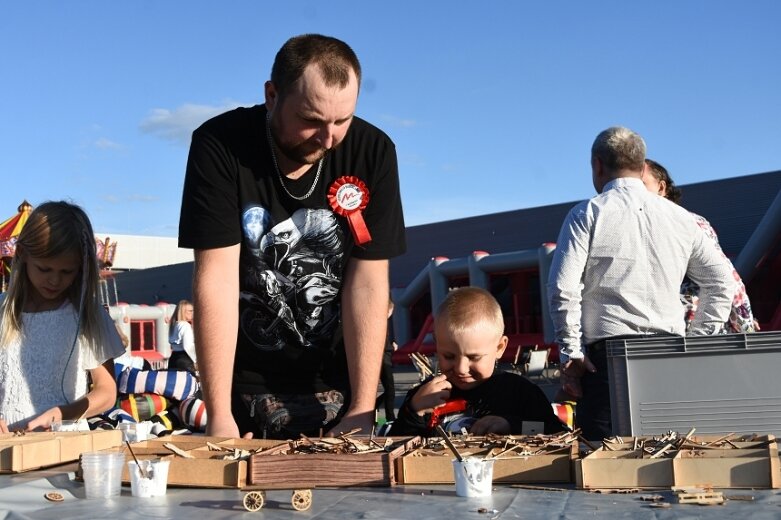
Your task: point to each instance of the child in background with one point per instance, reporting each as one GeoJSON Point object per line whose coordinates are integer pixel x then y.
{"type": "Point", "coordinates": [53, 330]}
{"type": "Point", "coordinates": [468, 329]}
{"type": "Point", "coordinates": [388, 396]}
{"type": "Point", "coordinates": [181, 338]}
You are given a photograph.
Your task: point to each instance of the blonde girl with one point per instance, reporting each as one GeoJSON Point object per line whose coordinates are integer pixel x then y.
{"type": "Point", "coordinates": [181, 338]}
{"type": "Point", "coordinates": [55, 336]}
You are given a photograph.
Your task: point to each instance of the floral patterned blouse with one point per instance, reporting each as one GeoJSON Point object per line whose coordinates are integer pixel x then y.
{"type": "Point", "coordinates": [741, 319]}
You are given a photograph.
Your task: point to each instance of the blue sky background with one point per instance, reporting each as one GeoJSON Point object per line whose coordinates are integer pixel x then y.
{"type": "Point", "coordinates": [493, 105]}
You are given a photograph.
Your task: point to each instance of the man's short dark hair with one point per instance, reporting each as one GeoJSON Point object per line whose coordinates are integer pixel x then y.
{"type": "Point", "coordinates": [333, 57]}
{"type": "Point", "coordinates": [672, 192]}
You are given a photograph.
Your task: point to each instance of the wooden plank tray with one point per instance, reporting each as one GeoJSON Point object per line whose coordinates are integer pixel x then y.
{"type": "Point", "coordinates": [306, 463]}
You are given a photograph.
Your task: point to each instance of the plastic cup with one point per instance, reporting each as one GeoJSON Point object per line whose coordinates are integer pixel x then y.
{"type": "Point", "coordinates": [154, 481]}
{"type": "Point", "coordinates": [135, 432]}
{"type": "Point", "coordinates": [102, 472]}
{"type": "Point", "coordinates": [474, 477]}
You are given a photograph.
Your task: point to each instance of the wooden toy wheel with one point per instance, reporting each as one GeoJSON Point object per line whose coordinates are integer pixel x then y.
{"type": "Point", "coordinates": [254, 500]}
{"type": "Point", "coordinates": [301, 499]}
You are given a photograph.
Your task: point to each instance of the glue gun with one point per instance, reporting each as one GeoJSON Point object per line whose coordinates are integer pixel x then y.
{"type": "Point", "coordinates": [455, 405]}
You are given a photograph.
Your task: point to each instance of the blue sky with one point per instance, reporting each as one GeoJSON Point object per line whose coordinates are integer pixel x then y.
{"type": "Point", "coordinates": [493, 105]}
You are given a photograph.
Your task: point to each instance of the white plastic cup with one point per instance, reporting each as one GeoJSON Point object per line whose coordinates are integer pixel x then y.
{"type": "Point", "coordinates": [135, 432]}
{"type": "Point", "coordinates": [102, 472]}
{"type": "Point", "coordinates": [155, 481]}
{"type": "Point", "coordinates": [474, 477]}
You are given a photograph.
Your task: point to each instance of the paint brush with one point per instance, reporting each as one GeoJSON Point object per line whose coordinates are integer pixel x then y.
{"type": "Point", "coordinates": [140, 467]}
{"type": "Point", "coordinates": [449, 443]}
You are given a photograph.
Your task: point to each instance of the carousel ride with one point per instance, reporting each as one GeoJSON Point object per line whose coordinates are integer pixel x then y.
{"type": "Point", "coordinates": [9, 233]}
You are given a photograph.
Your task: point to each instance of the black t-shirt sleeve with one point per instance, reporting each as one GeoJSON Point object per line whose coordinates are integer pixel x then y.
{"type": "Point", "coordinates": [210, 216]}
{"type": "Point", "coordinates": [383, 214]}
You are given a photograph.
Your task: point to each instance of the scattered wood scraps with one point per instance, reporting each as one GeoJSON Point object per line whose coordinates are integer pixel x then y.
{"type": "Point", "coordinates": [667, 445]}
{"type": "Point", "coordinates": [344, 444]}
{"type": "Point", "coordinates": [702, 498]}
{"type": "Point", "coordinates": [494, 447]}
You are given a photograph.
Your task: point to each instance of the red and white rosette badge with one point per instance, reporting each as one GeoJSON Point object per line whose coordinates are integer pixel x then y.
{"type": "Point", "coordinates": [348, 196]}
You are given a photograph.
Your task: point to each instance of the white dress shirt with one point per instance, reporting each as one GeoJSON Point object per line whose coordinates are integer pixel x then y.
{"type": "Point", "coordinates": [618, 266]}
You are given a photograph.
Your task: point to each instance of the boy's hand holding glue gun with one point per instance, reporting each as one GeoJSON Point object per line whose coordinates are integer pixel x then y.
{"type": "Point", "coordinates": [432, 394]}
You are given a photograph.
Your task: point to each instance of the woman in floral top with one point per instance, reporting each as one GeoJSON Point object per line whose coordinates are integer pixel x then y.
{"type": "Point", "coordinates": [741, 319]}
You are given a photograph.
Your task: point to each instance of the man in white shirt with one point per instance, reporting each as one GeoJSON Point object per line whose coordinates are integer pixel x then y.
{"type": "Point", "coordinates": [617, 270]}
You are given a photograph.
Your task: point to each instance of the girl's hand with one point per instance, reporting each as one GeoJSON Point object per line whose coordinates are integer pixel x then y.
{"type": "Point", "coordinates": [490, 424]}
{"type": "Point", "coordinates": [431, 394]}
{"type": "Point", "coordinates": [4, 426]}
{"type": "Point", "coordinates": [45, 420]}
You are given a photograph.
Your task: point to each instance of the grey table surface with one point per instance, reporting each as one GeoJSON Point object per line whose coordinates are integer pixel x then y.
{"type": "Point", "coordinates": [22, 497]}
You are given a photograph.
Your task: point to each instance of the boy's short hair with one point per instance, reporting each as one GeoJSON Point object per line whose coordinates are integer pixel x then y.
{"type": "Point", "coordinates": [466, 307]}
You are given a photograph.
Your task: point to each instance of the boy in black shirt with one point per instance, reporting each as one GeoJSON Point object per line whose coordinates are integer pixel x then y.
{"type": "Point", "coordinates": [468, 328]}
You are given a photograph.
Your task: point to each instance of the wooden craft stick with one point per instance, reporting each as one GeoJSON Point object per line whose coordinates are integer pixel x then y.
{"type": "Point", "coordinates": [538, 488]}
{"type": "Point", "coordinates": [587, 443]}
{"type": "Point", "coordinates": [172, 447]}
{"type": "Point", "coordinates": [661, 451]}
{"type": "Point", "coordinates": [720, 439]}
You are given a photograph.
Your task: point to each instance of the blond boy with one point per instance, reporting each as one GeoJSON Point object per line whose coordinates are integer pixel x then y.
{"type": "Point", "coordinates": [469, 333]}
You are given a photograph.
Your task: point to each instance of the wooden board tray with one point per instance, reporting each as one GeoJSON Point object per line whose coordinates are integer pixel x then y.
{"type": "Point", "coordinates": [535, 463]}
{"type": "Point", "coordinates": [724, 462]}
{"type": "Point", "coordinates": [204, 466]}
{"type": "Point", "coordinates": [34, 450]}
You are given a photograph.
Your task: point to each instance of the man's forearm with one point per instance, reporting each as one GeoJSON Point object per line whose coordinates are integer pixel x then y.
{"type": "Point", "coordinates": [565, 314]}
{"type": "Point", "coordinates": [364, 322]}
{"type": "Point", "coordinates": [215, 295]}
{"type": "Point", "coordinates": [714, 274]}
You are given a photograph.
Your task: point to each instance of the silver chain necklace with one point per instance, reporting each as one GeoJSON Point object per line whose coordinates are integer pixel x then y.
{"type": "Point", "coordinates": [279, 173]}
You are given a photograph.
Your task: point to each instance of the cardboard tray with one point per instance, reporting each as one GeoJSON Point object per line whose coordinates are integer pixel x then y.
{"type": "Point", "coordinates": [421, 466]}
{"type": "Point", "coordinates": [206, 468]}
{"type": "Point", "coordinates": [278, 468]}
{"type": "Point", "coordinates": [747, 464]}
{"type": "Point", "coordinates": [35, 450]}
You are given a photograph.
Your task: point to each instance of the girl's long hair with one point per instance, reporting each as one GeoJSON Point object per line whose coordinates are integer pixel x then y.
{"type": "Point", "coordinates": [55, 228]}
{"type": "Point", "coordinates": [178, 314]}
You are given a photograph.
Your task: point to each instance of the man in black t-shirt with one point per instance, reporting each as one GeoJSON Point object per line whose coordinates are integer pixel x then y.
{"type": "Point", "coordinates": [293, 210]}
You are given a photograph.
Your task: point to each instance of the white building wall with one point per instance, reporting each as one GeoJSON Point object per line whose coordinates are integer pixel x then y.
{"type": "Point", "coordinates": [140, 252]}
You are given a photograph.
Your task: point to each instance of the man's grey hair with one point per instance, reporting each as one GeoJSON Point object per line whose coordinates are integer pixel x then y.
{"type": "Point", "coordinates": [619, 148]}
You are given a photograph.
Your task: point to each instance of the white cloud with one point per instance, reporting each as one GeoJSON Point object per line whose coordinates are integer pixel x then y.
{"type": "Point", "coordinates": [104, 143]}
{"type": "Point", "coordinates": [178, 124]}
{"type": "Point", "coordinates": [412, 160]}
{"type": "Point", "coordinates": [450, 167]}
{"type": "Point", "coordinates": [398, 121]}
{"type": "Point", "coordinates": [138, 197]}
